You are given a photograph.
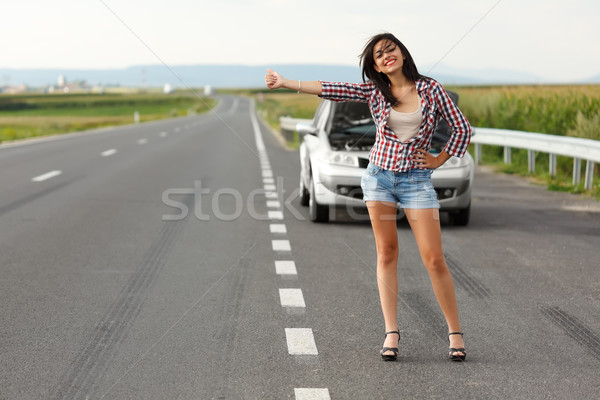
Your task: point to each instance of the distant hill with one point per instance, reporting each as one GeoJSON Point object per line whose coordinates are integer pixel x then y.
{"type": "Point", "coordinates": [230, 76]}
{"type": "Point", "coordinates": [593, 79]}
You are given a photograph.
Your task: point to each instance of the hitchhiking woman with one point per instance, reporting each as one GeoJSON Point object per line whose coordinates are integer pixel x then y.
{"type": "Point", "coordinates": [406, 107]}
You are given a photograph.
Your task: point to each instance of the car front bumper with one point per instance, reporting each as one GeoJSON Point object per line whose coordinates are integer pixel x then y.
{"type": "Point", "coordinates": [340, 186]}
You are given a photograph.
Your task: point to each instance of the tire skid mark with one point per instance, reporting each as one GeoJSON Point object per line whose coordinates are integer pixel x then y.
{"type": "Point", "coordinates": [423, 308]}
{"type": "Point", "coordinates": [229, 329]}
{"type": "Point", "coordinates": [470, 284]}
{"type": "Point", "coordinates": [32, 197]}
{"type": "Point", "coordinates": [89, 365]}
{"type": "Point", "coordinates": [574, 328]}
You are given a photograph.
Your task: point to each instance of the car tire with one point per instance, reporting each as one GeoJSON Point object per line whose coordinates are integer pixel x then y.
{"type": "Point", "coordinates": [304, 193]}
{"type": "Point", "coordinates": [461, 218]}
{"type": "Point", "coordinates": [317, 212]}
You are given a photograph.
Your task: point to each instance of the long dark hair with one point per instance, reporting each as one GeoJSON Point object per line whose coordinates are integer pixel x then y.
{"type": "Point", "coordinates": [409, 69]}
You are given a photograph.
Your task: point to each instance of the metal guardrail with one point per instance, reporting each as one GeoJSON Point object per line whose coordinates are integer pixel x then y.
{"type": "Point", "coordinates": [289, 123]}
{"type": "Point", "coordinates": [577, 148]}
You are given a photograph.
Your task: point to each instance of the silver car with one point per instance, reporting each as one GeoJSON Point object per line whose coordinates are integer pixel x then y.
{"type": "Point", "coordinates": [335, 152]}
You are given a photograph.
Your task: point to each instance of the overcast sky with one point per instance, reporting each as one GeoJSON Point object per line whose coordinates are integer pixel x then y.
{"type": "Point", "coordinates": [555, 40]}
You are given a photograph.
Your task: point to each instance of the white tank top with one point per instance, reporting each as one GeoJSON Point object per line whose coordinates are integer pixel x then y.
{"type": "Point", "coordinates": [405, 125]}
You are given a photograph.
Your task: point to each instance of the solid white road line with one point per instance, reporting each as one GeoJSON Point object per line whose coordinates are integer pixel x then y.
{"type": "Point", "coordinates": [300, 341]}
{"type": "Point", "coordinates": [311, 394]}
{"type": "Point", "coordinates": [278, 228]}
{"type": "Point", "coordinates": [260, 144]}
{"type": "Point", "coordinates": [281, 245]}
{"type": "Point", "coordinates": [285, 268]}
{"type": "Point", "coordinates": [108, 153]}
{"type": "Point", "coordinates": [291, 298]}
{"type": "Point", "coordinates": [46, 176]}
{"type": "Point", "coordinates": [275, 215]}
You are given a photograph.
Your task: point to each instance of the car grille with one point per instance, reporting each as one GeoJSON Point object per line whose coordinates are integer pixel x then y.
{"type": "Point", "coordinates": [350, 191]}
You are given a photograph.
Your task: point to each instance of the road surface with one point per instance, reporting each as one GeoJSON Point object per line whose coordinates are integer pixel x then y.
{"type": "Point", "coordinates": [149, 262]}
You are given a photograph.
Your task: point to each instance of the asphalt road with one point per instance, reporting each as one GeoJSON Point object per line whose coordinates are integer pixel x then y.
{"type": "Point", "coordinates": [147, 262]}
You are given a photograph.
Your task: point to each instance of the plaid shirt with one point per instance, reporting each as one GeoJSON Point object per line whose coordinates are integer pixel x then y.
{"type": "Point", "coordinates": [389, 152]}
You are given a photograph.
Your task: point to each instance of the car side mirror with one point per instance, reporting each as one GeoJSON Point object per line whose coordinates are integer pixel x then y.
{"type": "Point", "coordinates": [305, 129]}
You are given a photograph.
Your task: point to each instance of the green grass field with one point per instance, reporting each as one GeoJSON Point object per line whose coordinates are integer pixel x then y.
{"type": "Point", "coordinates": [25, 116]}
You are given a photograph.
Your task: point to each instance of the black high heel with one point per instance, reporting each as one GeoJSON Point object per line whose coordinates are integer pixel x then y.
{"type": "Point", "coordinates": [456, 357]}
{"type": "Point", "coordinates": [390, 357]}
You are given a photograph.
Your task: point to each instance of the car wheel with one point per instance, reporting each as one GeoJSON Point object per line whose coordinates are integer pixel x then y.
{"type": "Point", "coordinates": [304, 194]}
{"type": "Point", "coordinates": [461, 218]}
{"type": "Point", "coordinates": [317, 212]}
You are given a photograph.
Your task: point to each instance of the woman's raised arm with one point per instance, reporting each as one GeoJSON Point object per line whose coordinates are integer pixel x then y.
{"type": "Point", "coordinates": [274, 80]}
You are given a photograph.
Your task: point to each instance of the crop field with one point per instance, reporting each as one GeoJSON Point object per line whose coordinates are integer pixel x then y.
{"type": "Point", "coordinates": [571, 110]}
{"type": "Point", "coordinates": [25, 116]}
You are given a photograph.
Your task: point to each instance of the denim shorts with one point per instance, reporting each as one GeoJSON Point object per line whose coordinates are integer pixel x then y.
{"type": "Point", "coordinates": [412, 189]}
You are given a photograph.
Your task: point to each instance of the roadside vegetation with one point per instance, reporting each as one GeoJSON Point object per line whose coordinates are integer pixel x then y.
{"type": "Point", "coordinates": [26, 116]}
{"type": "Point", "coordinates": [571, 110]}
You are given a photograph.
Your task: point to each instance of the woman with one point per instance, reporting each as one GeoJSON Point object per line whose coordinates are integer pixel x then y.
{"type": "Point", "coordinates": [406, 107]}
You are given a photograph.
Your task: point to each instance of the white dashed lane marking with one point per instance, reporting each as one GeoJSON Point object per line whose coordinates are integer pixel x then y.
{"type": "Point", "coordinates": [273, 204]}
{"type": "Point", "coordinates": [291, 298]}
{"type": "Point", "coordinates": [300, 341]}
{"type": "Point", "coordinates": [281, 245]}
{"type": "Point", "coordinates": [163, 134]}
{"type": "Point", "coordinates": [46, 176]}
{"type": "Point", "coordinates": [275, 215]}
{"type": "Point", "coordinates": [311, 394]}
{"type": "Point", "coordinates": [142, 141]}
{"type": "Point", "coordinates": [285, 267]}
{"type": "Point", "coordinates": [108, 153]}
{"type": "Point", "coordinates": [277, 228]}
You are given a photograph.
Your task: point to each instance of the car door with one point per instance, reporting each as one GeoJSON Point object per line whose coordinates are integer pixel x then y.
{"type": "Point", "coordinates": [310, 142]}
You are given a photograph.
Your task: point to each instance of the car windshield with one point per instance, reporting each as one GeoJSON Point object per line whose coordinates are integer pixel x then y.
{"type": "Point", "coordinates": [352, 127]}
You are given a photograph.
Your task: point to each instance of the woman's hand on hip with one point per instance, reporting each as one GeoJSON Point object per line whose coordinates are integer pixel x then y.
{"type": "Point", "coordinates": [426, 160]}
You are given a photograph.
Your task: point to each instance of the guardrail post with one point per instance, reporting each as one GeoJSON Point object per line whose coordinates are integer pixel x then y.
{"type": "Point", "coordinates": [136, 117]}
{"type": "Point", "coordinates": [589, 175]}
{"type": "Point", "coordinates": [531, 161]}
{"type": "Point", "coordinates": [507, 158]}
{"type": "Point", "coordinates": [478, 153]}
{"type": "Point", "coordinates": [576, 171]}
{"type": "Point", "coordinates": [552, 165]}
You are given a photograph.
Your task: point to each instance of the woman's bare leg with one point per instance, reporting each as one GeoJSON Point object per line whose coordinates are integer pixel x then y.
{"type": "Point", "coordinates": [383, 221]}
{"type": "Point", "coordinates": [425, 225]}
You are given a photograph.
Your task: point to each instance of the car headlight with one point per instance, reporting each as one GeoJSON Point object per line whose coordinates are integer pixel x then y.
{"type": "Point", "coordinates": [455, 162]}
{"type": "Point", "coordinates": [341, 158]}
